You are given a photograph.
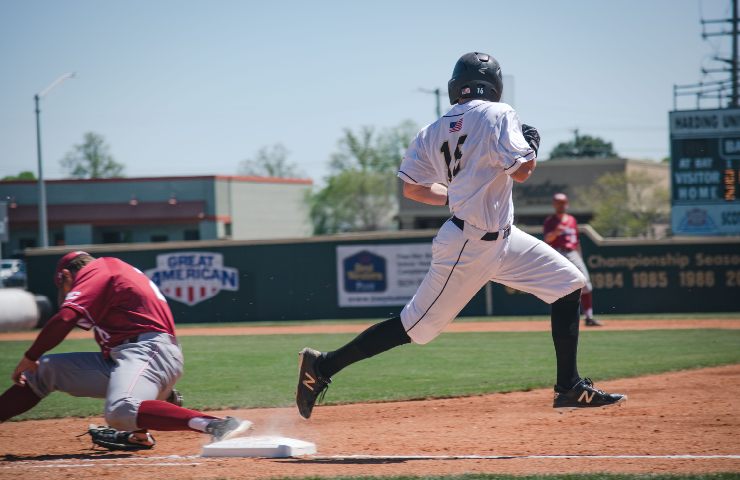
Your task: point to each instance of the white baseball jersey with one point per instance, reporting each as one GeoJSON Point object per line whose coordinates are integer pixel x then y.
{"type": "Point", "coordinates": [473, 150]}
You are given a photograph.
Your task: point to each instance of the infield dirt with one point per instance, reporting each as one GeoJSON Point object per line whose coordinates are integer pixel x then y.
{"type": "Point", "coordinates": [693, 413]}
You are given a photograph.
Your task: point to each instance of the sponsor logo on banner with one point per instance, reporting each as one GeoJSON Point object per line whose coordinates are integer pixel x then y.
{"type": "Point", "coordinates": [380, 275]}
{"type": "Point", "coordinates": [192, 277]}
{"type": "Point", "coordinates": [365, 272]}
{"type": "Point", "coordinates": [697, 220]}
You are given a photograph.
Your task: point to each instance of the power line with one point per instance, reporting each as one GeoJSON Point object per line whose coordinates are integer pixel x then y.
{"type": "Point", "coordinates": [614, 128]}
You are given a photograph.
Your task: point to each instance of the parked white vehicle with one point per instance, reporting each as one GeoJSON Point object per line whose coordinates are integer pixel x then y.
{"type": "Point", "coordinates": [12, 273]}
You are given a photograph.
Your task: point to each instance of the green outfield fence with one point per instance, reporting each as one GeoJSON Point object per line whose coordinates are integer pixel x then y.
{"type": "Point", "coordinates": [298, 279]}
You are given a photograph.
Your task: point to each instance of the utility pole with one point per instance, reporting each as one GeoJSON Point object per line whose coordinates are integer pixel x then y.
{"type": "Point", "coordinates": [437, 92]}
{"type": "Point", "coordinates": [732, 61]}
{"type": "Point", "coordinates": [734, 101]}
{"type": "Point", "coordinates": [576, 147]}
{"type": "Point", "coordinates": [43, 228]}
{"type": "Point", "coordinates": [727, 89]}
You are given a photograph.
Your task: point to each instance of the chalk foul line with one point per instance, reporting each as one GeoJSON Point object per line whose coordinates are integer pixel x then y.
{"type": "Point", "coordinates": [159, 461]}
{"type": "Point", "coordinates": [505, 457]}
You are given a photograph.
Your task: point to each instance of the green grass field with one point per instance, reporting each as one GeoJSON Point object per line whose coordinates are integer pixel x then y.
{"type": "Point", "coordinates": [259, 371]}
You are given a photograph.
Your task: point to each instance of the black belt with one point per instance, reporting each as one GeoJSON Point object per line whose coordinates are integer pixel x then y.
{"type": "Point", "coordinates": [488, 237]}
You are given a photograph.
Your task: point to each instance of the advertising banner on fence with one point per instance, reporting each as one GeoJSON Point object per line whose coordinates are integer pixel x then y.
{"type": "Point", "coordinates": [192, 277]}
{"type": "Point", "coordinates": [380, 275]}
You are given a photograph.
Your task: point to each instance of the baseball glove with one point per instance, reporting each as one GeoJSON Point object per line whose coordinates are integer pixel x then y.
{"type": "Point", "coordinates": [532, 136]}
{"type": "Point", "coordinates": [113, 439]}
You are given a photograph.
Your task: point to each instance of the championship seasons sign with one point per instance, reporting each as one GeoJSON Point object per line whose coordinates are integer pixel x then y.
{"type": "Point", "coordinates": [380, 275]}
{"type": "Point", "coordinates": [191, 277]}
{"type": "Point", "coordinates": [705, 172]}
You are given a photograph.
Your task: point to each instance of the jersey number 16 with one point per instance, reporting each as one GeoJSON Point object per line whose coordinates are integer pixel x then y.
{"type": "Point", "coordinates": [453, 167]}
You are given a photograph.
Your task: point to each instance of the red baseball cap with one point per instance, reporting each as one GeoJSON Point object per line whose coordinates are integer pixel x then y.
{"type": "Point", "coordinates": [64, 263]}
{"type": "Point", "coordinates": [560, 197]}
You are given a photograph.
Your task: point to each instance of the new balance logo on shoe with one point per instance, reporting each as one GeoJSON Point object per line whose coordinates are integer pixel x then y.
{"type": "Point", "coordinates": [585, 396]}
{"type": "Point", "coordinates": [309, 382]}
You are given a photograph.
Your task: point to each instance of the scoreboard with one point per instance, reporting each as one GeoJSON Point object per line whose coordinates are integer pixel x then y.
{"type": "Point", "coordinates": [705, 172]}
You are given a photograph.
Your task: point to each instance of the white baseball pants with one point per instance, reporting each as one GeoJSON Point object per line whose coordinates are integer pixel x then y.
{"type": "Point", "coordinates": [462, 264]}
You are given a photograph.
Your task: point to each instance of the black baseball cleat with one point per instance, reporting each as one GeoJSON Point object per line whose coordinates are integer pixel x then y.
{"type": "Point", "coordinates": [592, 322]}
{"type": "Point", "coordinates": [584, 395]}
{"type": "Point", "coordinates": [310, 383]}
{"type": "Point", "coordinates": [226, 428]}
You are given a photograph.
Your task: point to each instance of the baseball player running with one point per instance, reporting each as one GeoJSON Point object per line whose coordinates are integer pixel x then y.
{"type": "Point", "coordinates": [561, 233]}
{"type": "Point", "coordinates": [469, 159]}
{"type": "Point", "coordinates": [136, 369]}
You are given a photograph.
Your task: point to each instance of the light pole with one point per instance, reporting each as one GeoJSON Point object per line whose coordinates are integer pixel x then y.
{"type": "Point", "coordinates": [43, 232]}
{"type": "Point", "coordinates": [438, 94]}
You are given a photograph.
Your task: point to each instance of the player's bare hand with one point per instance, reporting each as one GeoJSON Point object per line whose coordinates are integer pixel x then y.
{"type": "Point", "coordinates": [24, 365]}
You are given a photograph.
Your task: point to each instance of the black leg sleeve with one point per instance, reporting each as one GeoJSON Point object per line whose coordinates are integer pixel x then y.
{"type": "Point", "coordinates": [564, 319]}
{"type": "Point", "coordinates": [376, 339]}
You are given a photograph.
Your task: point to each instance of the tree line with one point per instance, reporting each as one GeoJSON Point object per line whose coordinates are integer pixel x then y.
{"type": "Point", "coordinates": [360, 192]}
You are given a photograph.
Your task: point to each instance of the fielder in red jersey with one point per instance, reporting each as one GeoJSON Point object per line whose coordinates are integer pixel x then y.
{"type": "Point", "coordinates": [139, 362]}
{"type": "Point", "coordinates": [118, 302]}
{"type": "Point", "coordinates": [561, 233]}
{"type": "Point", "coordinates": [562, 230]}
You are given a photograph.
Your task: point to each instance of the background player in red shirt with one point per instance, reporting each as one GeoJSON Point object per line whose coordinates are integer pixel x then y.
{"type": "Point", "coordinates": [137, 366]}
{"type": "Point", "coordinates": [561, 233]}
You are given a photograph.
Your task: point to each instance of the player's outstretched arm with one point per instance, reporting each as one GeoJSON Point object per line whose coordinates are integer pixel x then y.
{"type": "Point", "coordinates": [436, 194]}
{"type": "Point", "coordinates": [55, 330]}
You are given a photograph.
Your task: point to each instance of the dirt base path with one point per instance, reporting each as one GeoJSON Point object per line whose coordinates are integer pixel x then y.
{"type": "Point", "coordinates": [682, 422]}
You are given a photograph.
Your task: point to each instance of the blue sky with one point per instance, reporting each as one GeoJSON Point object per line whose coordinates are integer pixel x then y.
{"type": "Point", "coordinates": [194, 87]}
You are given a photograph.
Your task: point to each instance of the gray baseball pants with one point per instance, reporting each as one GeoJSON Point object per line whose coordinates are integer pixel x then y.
{"type": "Point", "coordinates": [143, 370]}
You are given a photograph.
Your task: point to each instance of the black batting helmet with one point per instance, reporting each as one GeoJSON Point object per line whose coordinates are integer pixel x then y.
{"type": "Point", "coordinates": [476, 75]}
